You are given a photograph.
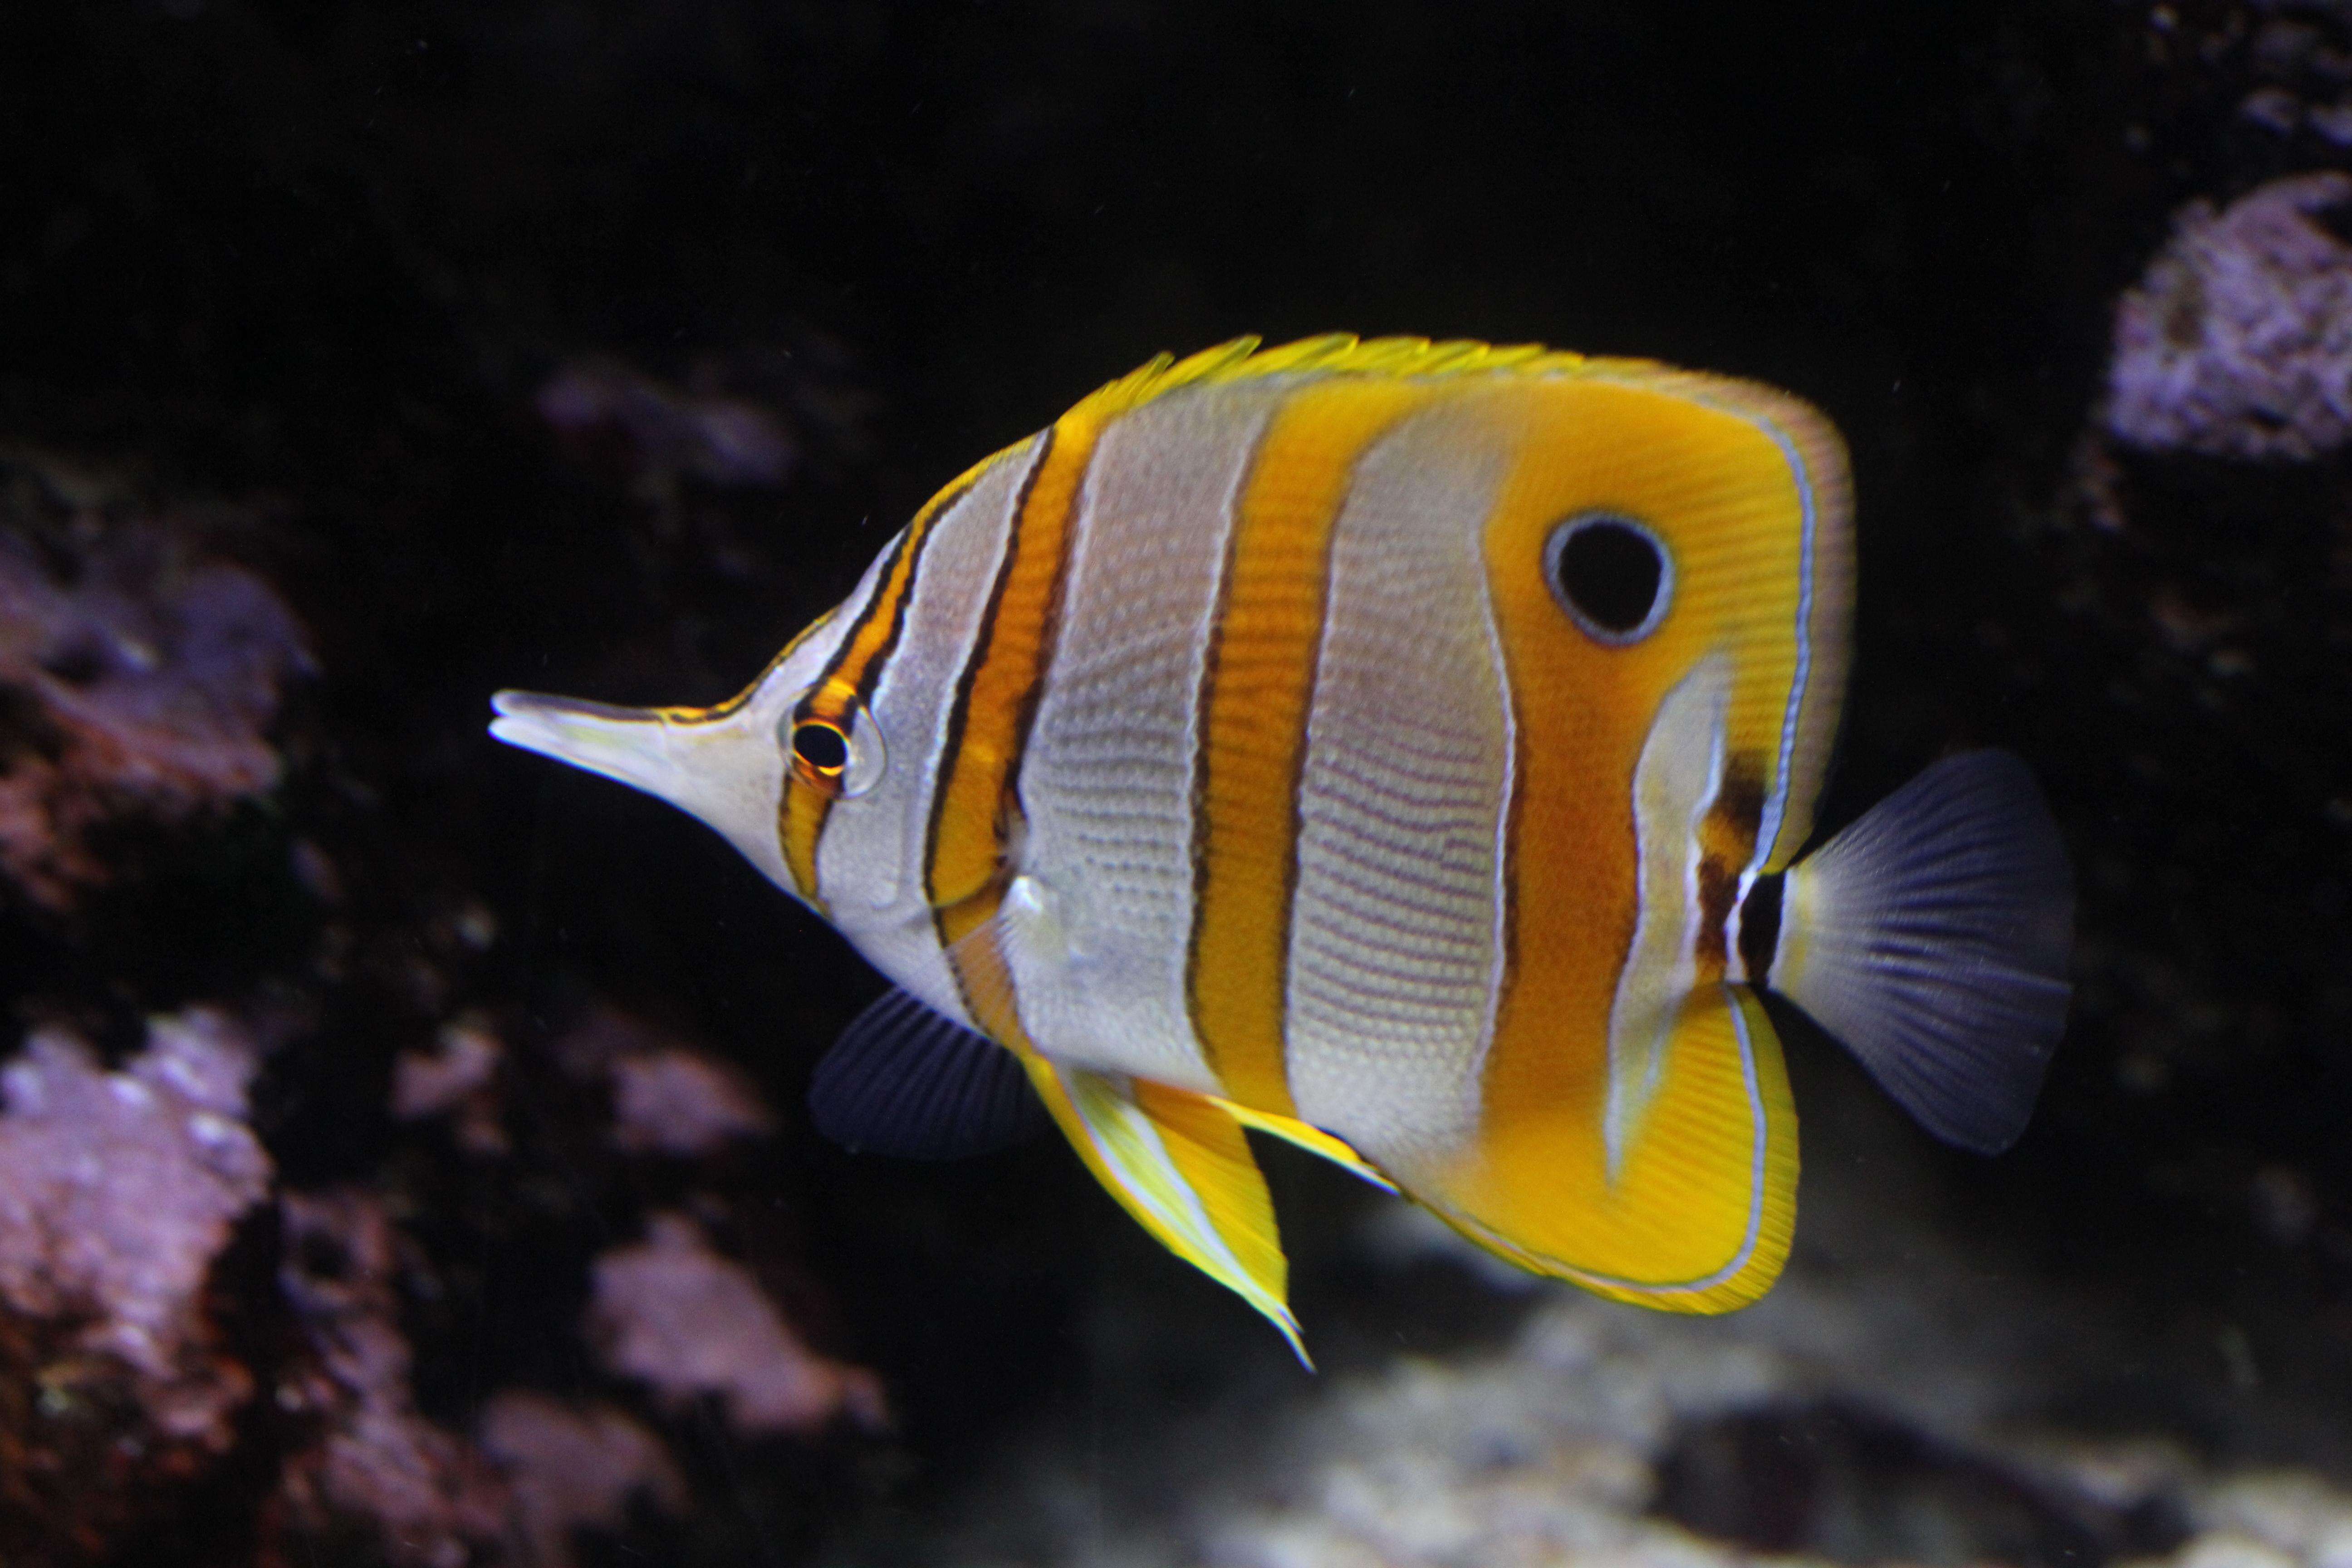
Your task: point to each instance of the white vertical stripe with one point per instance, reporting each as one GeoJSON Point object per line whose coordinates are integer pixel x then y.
{"type": "Point", "coordinates": [1097, 944]}
{"type": "Point", "coordinates": [1394, 929]}
{"type": "Point", "coordinates": [870, 859]}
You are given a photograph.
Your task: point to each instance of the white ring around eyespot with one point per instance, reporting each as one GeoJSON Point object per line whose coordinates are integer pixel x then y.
{"type": "Point", "coordinates": [1660, 603]}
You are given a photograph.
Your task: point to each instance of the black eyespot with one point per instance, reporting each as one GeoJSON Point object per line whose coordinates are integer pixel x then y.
{"type": "Point", "coordinates": [1611, 574]}
{"type": "Point", "coordinates": [821, 745]}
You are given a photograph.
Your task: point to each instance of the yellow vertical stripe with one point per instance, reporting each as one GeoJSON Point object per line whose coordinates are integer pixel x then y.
{"type": "Point", "coordinates": [988, 728]}
{"type": "Point", "coordinates": [1257, 688]}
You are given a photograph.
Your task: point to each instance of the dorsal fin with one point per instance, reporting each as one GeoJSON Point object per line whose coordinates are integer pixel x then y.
{"type": "Point", "coordinates": [1334, 353]}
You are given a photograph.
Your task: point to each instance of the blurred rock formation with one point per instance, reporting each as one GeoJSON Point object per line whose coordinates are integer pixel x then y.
{"type": "Point", "coordinates": [2238, 343]}
{"type": "Point", "coordinates": [118, 1191]}
{"type": "Point", "coordinates": [687, 1322]}
{"type": "Point", "coordinates": [137, 679]}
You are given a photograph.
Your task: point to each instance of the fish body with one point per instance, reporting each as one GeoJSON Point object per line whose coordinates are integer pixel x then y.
{"type": "Point", "coordinates": [1400, 747]}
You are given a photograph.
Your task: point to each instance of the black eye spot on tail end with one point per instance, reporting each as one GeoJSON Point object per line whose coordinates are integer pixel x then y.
{"type": "Point", "coordinates": [1611, 574]}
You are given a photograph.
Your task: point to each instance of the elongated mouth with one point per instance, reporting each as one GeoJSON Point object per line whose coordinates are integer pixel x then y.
{"type": "Point", "coordinates": [633, 745]}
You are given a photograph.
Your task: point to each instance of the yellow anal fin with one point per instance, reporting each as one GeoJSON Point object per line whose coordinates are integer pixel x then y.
{"type": "Point", "coordinates": [1179, 1163]}
{"type": "Point", "coordinates": [1314, 1140]}
{"type": "Point", "coordinates": [1698, 1216]}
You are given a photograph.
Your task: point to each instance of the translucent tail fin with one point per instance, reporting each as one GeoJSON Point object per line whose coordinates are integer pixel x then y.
{"type": "Point", "coordinates": [1932, 936]}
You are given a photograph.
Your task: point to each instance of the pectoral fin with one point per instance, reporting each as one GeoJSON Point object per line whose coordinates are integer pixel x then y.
{"type": "Point", "coordinates": [1179, 1163]}
{"type": "Point", "coordinates": [904, 1080]}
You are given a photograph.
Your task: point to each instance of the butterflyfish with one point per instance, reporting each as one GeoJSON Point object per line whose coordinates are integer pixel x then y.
{"type": "Point", "coordinates": [1402, 749]}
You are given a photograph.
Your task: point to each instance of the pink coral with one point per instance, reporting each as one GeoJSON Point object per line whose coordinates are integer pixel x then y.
{"type": "Point", "coordinates": [674, 1314]}
{"type": "Point", "coordinates": [436, 1501]}
{"type": "Point", "coordinates": [573, 1470]}
{"type": "Point", "coordinates": [117, 1192]}
{"type": "Point", "coordinates": [2237, 342]}
{"type": "Point", "coordinates": [678, 1101]}
{"type": "Point", "coordinates": [145, 684]}
{"type": "Point", "coordinates": [667, 1097]}
{"type": "Point", "coordinates": [460, 1075]}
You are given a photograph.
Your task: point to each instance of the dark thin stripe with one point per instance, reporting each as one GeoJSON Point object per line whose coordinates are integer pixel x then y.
{"type": "Point", "coordinates": [917, 538]}
{"type": "Point", "coordinates": [816, 809]}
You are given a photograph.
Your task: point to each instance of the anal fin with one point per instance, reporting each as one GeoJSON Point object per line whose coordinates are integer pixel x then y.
{"type": "Point", "coordinates": [1179, 1163]}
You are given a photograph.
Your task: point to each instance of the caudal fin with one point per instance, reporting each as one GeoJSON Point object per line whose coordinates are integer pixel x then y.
{"type": "Point", "coordinates": [1932, 936]}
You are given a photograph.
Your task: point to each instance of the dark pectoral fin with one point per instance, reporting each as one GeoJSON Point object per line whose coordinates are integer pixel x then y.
{"type": "Point", "coordinates": [903, 1080]}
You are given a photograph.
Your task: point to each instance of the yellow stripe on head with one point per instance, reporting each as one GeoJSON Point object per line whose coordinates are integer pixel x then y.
{"type": "Point", "coordinates": [974, 806]}
{"type": "Point", "coordinates": [848, 682]}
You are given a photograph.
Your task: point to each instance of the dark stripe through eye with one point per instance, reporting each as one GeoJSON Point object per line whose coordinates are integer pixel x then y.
{"type": "Point", "coordinates": [821, 745]}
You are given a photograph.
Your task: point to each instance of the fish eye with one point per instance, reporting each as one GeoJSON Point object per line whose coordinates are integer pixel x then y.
{"type": "Point", "coordinates": [822, 746]}
{"type": "Point", "coordinates": [1611, 574]}
{"type": "Point", "coordinates": [838, 752]}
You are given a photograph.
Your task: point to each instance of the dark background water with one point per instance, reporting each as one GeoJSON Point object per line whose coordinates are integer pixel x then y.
{"type": "Point", "coordinates": [310, 265]}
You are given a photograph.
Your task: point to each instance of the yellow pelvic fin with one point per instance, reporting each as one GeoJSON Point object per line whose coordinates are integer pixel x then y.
{"type": "Point", "coordinates": [1698, 1215]}
{"type": "Point", "coordinates": [1179, 1164]}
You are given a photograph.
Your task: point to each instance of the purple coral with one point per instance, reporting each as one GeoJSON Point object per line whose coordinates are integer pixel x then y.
{"type": "Point", "coordinates": [458, 1075]}
{"type": "Point", "coordinates": [667, 1097]}
{"type": "Point", "coordinates": [573, 1470]}
{"type": "Point", "coordinates": [148, 682]}
{"type": "Point", "coordinates": [435, 1501]}
{"type": "Point", "coordinates": [674, 1101]}
{"type": "Point", "coordinates": [2237, 342]}
{"type": "Point", "coordinates": [117, 1192]}
{"type": "Point", "coordinates": [676, 1315]}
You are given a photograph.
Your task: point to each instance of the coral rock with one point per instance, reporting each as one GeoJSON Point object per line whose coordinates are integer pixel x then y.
{"type": "Point", "coordinates": [118, 1192]}
{"type": "Point", "coordinates": [573, 1470]}
{"type": "Point", "coordinates": [676, 1315]}
{"type": "Point", "coordinates": [460, 1076]}
{"type": "Point", "coordinates": [432, 1498]}
{"type": "Point", "coordinates": [701, 432]}
{"type": "Point", "coordinates": [119, 1189]}
{"type": "Point", "coordinates": [2237, 342]}
{"type": "Point", "coordinates": [144, 686]}
{"type": "Point", "coordinates": [680, 1101]}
